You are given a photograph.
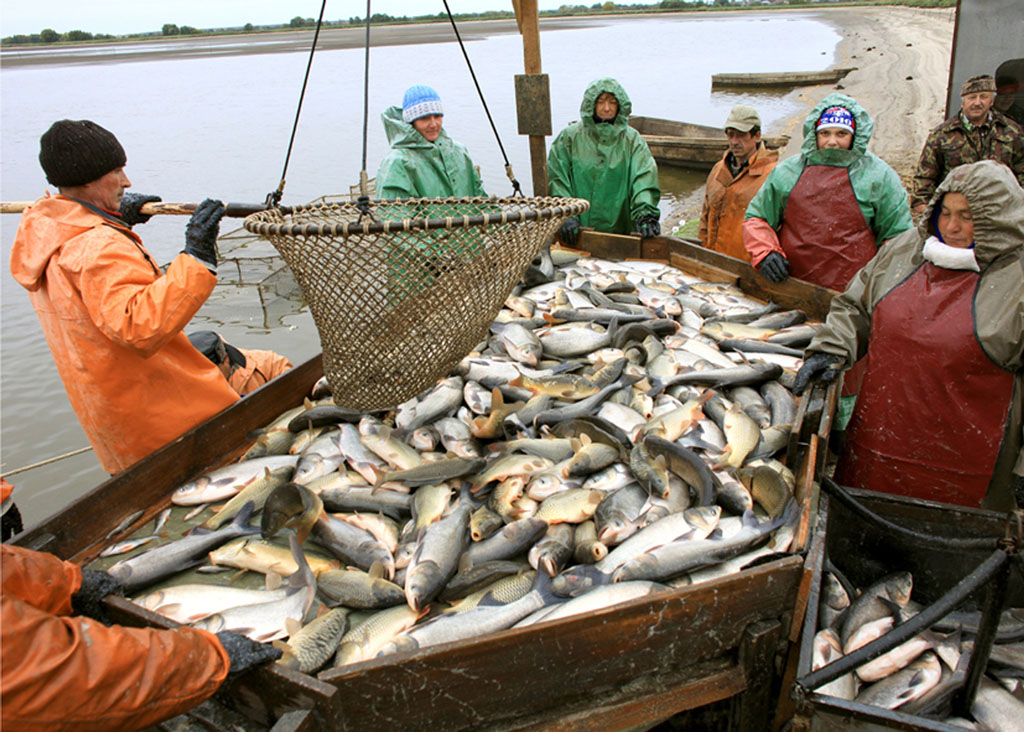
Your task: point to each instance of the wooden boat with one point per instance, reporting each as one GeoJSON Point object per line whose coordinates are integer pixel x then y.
{"type": "Point", "coordinates": [688, 145]}
{"type": "Point", "coordinates": [864, 552]}
{"type": "Point", "coordinates": [709, 646]}
{"type": "Point", "coordinates": [780, 79]}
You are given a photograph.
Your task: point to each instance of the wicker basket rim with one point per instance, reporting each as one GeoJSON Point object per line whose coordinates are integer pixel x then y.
{"type": "Point", "coordinates": [269, 222]}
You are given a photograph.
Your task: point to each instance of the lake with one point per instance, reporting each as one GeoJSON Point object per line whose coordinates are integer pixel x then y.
{"type": "Point", "coordinates": [218, 126]}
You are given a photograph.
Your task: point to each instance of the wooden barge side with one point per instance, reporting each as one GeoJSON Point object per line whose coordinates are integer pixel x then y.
{"type": "Point", "coordinates": [634, 664]}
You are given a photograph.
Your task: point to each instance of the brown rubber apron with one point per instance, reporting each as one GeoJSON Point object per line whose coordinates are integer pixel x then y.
{"type": "Point", "coordinates": [932, 412]}
{"type": "Point", "coordinates": [826, 238]}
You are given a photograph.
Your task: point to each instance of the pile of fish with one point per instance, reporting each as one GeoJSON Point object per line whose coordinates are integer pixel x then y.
{"type": "Point", "coordinates": [917, 676]}
{"type": "Point", "coordinates": [616, 436]}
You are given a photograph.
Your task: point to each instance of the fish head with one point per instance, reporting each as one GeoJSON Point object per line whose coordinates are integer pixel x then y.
{"type": "Point", "coordinates": [190, 491]}
{"type": "Point", "coordinates": [290, 505]}
{"type": "Point", "coordinates": [578, 580]}
{"type": "Point", "coordinates": [614, 531]}
{"type": "Point", "coordinates": [703, 517]}
{"type": "Point", "coordinates": [899, 586]}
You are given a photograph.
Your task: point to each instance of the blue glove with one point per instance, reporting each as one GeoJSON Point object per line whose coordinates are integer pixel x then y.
{"type": "Point", "coordinates": [817, 367]}
{"type": "Point", "coordinates": [775, 267]}
{"type": "Point", "coordinates": [648, 226]}
{"type": "Point", "coordinates": [569, 232]}
{"type": "Point", "coordinates": [131, 206]}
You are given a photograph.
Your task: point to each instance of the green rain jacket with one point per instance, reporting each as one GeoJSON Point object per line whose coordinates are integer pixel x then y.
{"type": "Point", "coordinates": [609, 165]}
{"type": "Point", "coordinates": [879, 192]}
{"type": "Point", "coordinates": [997, 205]}
{"type": "Point", "coordinates": [416, 168]}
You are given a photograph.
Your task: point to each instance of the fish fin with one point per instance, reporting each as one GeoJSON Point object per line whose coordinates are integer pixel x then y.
{"type": "Point", "coordinates": [291, 626]}
{"type": "Point", "coordinates": [376, 570]}
{"type": "Point", "coordinates": [273, 580]}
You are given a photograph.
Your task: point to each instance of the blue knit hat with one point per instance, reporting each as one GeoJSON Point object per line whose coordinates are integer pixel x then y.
{"type": "Point", "coordinates": [420, 101]}
{"type": "Point", "coordinates": [836, 117]}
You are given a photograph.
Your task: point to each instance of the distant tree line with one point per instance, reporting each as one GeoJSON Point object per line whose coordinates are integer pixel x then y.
{"type": "Point", "coordinates": [49, 35]}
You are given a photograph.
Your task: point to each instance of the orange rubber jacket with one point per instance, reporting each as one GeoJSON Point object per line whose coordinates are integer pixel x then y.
{"type": "Point", "coordinates": [726, 199]}
{"type": "Point", "coordinates": [260, 367]}
{"type": "Point", "coordinates": [114, 326]}
{"type": "Point", "coordinates": [64, 672]}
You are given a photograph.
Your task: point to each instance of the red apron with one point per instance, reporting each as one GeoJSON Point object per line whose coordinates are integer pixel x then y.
{"type": "Point", "coordinates": [826, 238]}
{"type": "Point", "coordinates": [932, 412]}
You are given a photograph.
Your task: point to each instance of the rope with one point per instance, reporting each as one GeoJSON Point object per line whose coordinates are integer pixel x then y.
{"type": "Point", "coordinates": [274, 198]}
{"type": "Point", "coordinates": [363, 204]}
{"type": "Point", "coordinates": [46, 462]}
{"type": "Point", "coordinates": [516, 190]}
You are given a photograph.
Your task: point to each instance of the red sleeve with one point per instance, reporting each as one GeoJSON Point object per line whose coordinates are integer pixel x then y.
{"type": "Point", "coordinates": [760, 240]}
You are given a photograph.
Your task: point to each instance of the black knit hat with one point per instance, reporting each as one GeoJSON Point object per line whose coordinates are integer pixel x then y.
{"type": "Point", "coordinates": [74, 153]}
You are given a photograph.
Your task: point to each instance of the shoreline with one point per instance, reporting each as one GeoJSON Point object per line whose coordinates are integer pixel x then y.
{"type": "Point", "coordinates": [902, 55]}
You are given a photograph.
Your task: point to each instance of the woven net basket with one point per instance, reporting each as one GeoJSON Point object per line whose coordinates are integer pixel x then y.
{"type": "Point", "coordinates": [399, 299]}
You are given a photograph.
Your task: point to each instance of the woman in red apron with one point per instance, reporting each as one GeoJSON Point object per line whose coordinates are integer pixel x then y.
{"type": "Point", "coordinates": [940, 314]}
{"type": "Point", "coordinates": [821, 216]}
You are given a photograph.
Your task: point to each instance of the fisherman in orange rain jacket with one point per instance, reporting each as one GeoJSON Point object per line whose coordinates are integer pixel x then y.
{"type": "Point", "coordinates": [114, 322]}
{"type": "Point", "coordinates": [62, 668]}
{"type": "Point", "coordinates": [734, 181]}
{"type": "Point", "coordinates": [246, 369]}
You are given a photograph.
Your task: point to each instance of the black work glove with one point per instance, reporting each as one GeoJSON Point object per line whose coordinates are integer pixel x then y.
{"type": "Point", "coordinates": [245, 653]}
{"type": "Point", "coordinates": [201, 233]}
{"type": "Point", "coordinates": [96, 584]}
{"type": "Point", "coordinates": [775, 267]}
{"type": "Point", "coordinates": [648, 226]}
{"type": "Point", "coordinates": [10, 523]}
{"type": "Point", "coordinates": [131, 205]}
{"type": "Point", "coordinates": [817, 367]}
{"type": "Point", "coordinates": [569, 231]}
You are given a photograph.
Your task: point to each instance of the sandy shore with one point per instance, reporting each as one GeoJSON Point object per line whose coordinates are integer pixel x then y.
{"type": "Point", "coordinates": [902, 57]}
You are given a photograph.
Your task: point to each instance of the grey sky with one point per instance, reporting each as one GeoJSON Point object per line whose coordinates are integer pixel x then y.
{"type": "Point", "coordinates": [120, 17]}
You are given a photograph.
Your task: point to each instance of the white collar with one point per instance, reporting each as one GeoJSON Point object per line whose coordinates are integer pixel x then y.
{"type": "Point", "coordinates": [947, 257]}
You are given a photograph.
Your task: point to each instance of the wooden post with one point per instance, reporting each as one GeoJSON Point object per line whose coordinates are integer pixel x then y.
{"type": "Point", "coordinates": [527, 16]}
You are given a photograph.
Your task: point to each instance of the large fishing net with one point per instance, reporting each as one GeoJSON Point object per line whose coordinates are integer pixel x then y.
{"type": "Point", "coordinates": [401, 294]}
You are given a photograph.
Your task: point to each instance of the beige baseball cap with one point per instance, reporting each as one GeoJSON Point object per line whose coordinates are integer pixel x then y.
{"type": "Point", "coordinates": [743, 117]}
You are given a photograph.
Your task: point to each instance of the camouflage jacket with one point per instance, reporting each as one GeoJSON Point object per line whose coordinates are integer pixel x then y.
{"type": "Point", "coordinates": [952, 144]}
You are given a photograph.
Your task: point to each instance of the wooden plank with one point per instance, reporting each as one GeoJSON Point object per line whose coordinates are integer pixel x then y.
{"type": "Point", "coordinates": [705, 271]}
{"type": "Point", "coordinates": [640, 703]}
{"type": "Point", "coordinates": [609, 246]}
{"type": "Point", "coordinates": [600, 652]}
{"type": "Point", "coordinates": [757, 659]}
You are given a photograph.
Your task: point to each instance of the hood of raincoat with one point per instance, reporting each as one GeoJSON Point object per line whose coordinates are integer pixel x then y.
{"type": "Point", "coordinates": [997, 207]}
{"type": "Point", "coordinates": [402, 134]}
{"type": "Point", "coordinates": [861, 136]}
{"type": "Point", "coordinates": [605, 131]}
{"type": "Point", "coordinates": [45, 227]}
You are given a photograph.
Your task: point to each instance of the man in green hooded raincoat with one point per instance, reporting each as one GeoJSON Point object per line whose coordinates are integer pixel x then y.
{"type": "Point", "coordinates": [822, 215]}
{"type": "Point", "coordinates": [826, 211]}
{"type": "Point", "coordinates": [605, 161]}
{"type": "Point", "coordinates": [424, 162]}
